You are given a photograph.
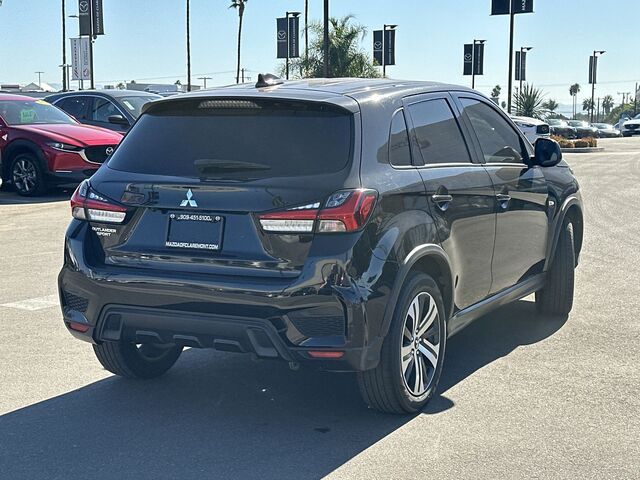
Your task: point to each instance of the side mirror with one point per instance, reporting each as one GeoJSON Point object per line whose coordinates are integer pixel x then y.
{"type": "Point", "coordinates": [118, 120]}
{"type": "Point", "coordinates": [547, 153]}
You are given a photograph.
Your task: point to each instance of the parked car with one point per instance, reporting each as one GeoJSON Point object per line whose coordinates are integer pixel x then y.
{"type": "Point", "coordinates": [584, 129]}
{"type": "Point", "coordinates": [532, 128]}
{"type": "Point", "coordinates": [113, 109]}
{"type": "Point", "coordinates": [631, 127]}
{"type": "Point", "coordinates": [40, 145]}
{"type": "Point", "coordinates": [561, 128]}
{"type": "Point", "coordinates": [346, 224]}
{"type": "Point", "coordinates": [606, 130]}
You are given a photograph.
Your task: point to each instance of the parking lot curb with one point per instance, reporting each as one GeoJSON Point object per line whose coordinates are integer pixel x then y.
{"type": "Point", "coordinates": [583, 150]}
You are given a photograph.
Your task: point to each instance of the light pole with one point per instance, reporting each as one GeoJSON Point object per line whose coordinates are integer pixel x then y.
{"type": "Point", "coordinates": [188, 45]}
{"type": "Point", "coordinates": [384, 47]}
{"type": "Point", "coordinates": [289, 15]}
{"type": "Point", "coordinates": [325, 41]}
{"type": "Point", "coordinates": [594, 76]}
{"type": "Point", "coordinates": [64, 48]}
{"type": "Point", "coordinates": [205, 81]}
{"type": "Point", "coordinates": [40, 79]}
{"type": "Point", "coordinates": [473, 66]}
{"type": "Point", "coordinates": [522, 70]}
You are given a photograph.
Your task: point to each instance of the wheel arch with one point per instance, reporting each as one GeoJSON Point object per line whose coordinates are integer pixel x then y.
{"type": "Point", "coordinates": [571, 209]}
{"type": "Point", "coordinates": [18, 147]}
{"type": "Point", "coordinates": [432, 260]}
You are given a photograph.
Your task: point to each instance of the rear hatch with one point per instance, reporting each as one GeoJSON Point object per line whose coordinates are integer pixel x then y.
{"type": "Point", "coordinates": [195, 176]}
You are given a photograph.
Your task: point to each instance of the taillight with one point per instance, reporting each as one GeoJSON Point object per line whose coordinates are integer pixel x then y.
{"type": "Point", "coordinates": [89, 205]}
{"type": "Point", "coordinates": [344, 211]}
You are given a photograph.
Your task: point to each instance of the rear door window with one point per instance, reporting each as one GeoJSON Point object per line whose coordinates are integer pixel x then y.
{"type": "Point", "coordinates": [238, 138]}
{"type": "Point", "coordinates": [399, 150]}
{"type": "Point", "coordinates": [437, 133]}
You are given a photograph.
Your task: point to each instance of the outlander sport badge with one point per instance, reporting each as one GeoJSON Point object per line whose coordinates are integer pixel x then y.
{"type": "Point", "coordinates": [190, 202]}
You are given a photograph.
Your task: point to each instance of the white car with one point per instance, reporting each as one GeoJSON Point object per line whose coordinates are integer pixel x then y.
{"type": "Point", "coordinates": [532, 128]}
{"type": "Point", "coordinates": [631, 127]}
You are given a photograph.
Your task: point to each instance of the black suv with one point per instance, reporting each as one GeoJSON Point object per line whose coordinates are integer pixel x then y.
{"type": "Point", "coordinates": [347, 224]}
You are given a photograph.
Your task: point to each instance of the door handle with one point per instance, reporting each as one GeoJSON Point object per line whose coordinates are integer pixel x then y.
{"type": "Point", "coordinates": [442, 201]}
{"type": "Point", "coordinates": [503, 200]}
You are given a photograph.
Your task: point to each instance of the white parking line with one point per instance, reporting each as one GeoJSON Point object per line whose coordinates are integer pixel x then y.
{"type": "Point", "coordinates": [33, 304]}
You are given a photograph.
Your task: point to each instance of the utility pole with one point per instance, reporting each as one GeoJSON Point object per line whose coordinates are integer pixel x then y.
{"type": "Point", "coordinates": [64, 49]}
{"type": "Point", "coordinates": [598, 111]}
{"type": "Point", "coordinates": [326, 39]}
{"type": "Point", "coordinates": [242, 74]}
{"type": "Point", "coordinates": [40, 79]}
{"type": "Point", "coordinates": [306, 35]}
{"type": "Point", "coordinates": [205, 80]}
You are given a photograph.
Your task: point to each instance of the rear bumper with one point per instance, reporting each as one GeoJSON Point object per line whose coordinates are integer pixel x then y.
{"type": "Point", "coordinates": [272, 318]}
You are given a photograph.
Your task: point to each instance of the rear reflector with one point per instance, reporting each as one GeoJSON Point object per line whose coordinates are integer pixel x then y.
{"type": "Point", "coordinates": [326, 354]}
{"type": "Point", "coordinates": [78, 327]}
{"type": "Point", "coordinates": [344, 211]}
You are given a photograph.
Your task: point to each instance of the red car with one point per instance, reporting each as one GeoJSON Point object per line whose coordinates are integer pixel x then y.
{"type": "Point", "coordinates": [41, 146]}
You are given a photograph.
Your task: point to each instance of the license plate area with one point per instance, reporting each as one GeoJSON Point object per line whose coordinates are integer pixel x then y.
{"type": "Point", "coordinates": [195, 231]}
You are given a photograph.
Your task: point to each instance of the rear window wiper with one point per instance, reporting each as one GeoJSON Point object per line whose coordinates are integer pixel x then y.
{"type": "Point", "coordinates": [206, 166]}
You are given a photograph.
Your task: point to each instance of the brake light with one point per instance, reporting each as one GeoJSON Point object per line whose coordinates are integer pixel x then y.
{"type": "Point", "coordinates": [89, 205]}
{"type": "Point", "coordinates": [344, 211]}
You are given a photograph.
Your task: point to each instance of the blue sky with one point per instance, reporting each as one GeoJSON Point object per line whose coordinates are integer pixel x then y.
{"type": "Point", "coordinates": [146, 40]}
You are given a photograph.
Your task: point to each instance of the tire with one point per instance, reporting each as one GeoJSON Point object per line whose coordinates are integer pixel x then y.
{"type": "Point", "coordinates": [27, 175]}
{"type": "Point", "coordinates": [556, 298]}
{"type": "Point", "coordinates": [133, 361]}
{"type": "Point", "coordinates": [391, 387]}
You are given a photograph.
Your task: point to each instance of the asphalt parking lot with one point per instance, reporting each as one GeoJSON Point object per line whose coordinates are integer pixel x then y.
{"type": "Point", "coordinates": [521, 396]}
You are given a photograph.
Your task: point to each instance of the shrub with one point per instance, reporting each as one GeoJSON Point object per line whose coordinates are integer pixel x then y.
{"type": "Point", "coordinates": [581, 143]}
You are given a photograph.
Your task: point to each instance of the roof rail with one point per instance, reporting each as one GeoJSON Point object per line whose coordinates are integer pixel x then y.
{"type": "Point", "coordinates": [268, 80]}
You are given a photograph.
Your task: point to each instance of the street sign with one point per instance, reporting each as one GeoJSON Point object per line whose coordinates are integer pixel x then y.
{"type": "Point", "coordinates": [521, 66]}
{"type": "Point", "coordinates": [593, 70]}
{"type": "Point", "coordinates": [505, 7]}
{"type": "Point", "coordinates": [378, 45]}
{"type": "Point", "coordinates": [80, 64]}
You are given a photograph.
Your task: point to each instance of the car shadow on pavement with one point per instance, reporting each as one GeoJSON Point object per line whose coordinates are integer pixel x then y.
{"type": "Point", "coordinates": [219, 415]}
{"type": "Point", "coordinates": [9, 197]}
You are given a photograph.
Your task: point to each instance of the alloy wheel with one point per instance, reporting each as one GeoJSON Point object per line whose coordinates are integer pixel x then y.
{"type": "Point", "coordinates": [420, 347]}
{"type": "Point", "coordinates": [25, 176]}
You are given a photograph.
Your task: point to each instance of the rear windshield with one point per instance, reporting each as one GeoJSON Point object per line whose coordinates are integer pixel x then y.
{"type": "Point", "coordinates": [258, 139]}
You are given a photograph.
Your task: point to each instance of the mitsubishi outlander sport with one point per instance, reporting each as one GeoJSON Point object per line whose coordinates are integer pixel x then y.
{"type": "Point", "coordinates": [346, 224]}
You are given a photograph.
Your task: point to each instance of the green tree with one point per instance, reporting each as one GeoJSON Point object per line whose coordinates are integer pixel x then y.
{"type": "Point", "coordinates": [528, 102]}
{"type": "Point", "coordinates": [573, 91]}
{"type": "Point", "coordinates": [607, 104]}
{"type": "Point", "coordinates": [550, 106]}
{"type": "Point", "coordinates": [346, 57]}
{"type": "Point", "coordinates": [239, 5]}
{"type": "Point", "coordinates": [587, 105]}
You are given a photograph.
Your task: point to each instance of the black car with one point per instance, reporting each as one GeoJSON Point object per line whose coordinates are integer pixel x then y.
{"type": "Point", "coordinates": [606, 130]}
{"type": "Point", "coordinates": [562, 128]}
{"type": "Point", "coordinates": [584, 129]}
{"type": "Point", "coordinates": [113, 109]}
{"type": "Point", "coordinates": [344, 224]}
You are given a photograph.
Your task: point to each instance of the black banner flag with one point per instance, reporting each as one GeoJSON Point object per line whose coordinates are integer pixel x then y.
{"type": "Point", "coordinates": [390, 47]}
{"type": "Point", "coordinates": [521, 66]}
{"type": "Point", "coordinates": [377, 46]}
{"type": "Point", "coordinates": [468, 59]}
{"type": "Point", "coordinates": [282, 37]}
{"type": "Point", "coordinates": [503, 7]}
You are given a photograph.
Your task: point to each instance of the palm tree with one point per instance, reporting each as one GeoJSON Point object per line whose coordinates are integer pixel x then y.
{"type": "Point", "coordinates": [239, 5]}
{"type": "Point", "coordinates": [528, 102]}
{"type": "Point", "coordinates": [573, 91]}
{"type": "Point", "coordinates": [587, 105]}
{"type": "Point", "coordinates": [607, 104]}
{"type": "Point", "coordinates": [551, 106]}
{"type": "Point", "coordinates": [346, 57]}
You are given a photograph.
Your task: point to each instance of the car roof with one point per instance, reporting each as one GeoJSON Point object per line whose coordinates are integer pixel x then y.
{"type": "Point", "coordinates": [108, 93]}
{"type": "Point", "coordinates": [339, 91]}
{"type": "Point", "coordinates": [11, 96]}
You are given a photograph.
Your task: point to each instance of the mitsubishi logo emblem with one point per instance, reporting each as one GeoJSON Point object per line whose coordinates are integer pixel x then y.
{"type": "Point", "coordinates": [189, 201]}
